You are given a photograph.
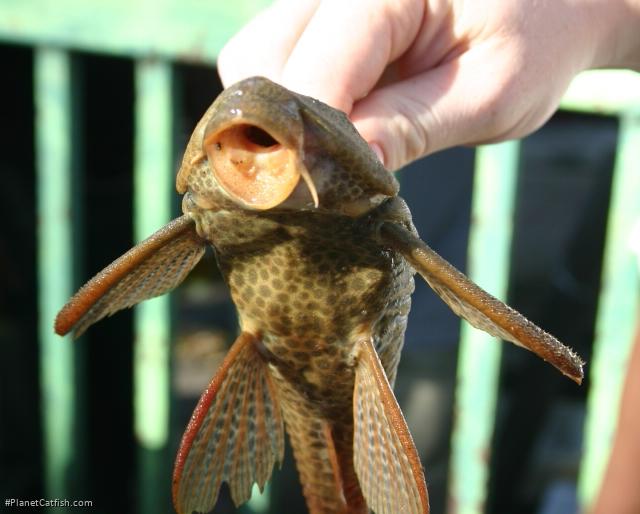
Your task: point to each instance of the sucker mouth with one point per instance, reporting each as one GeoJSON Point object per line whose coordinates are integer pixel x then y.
{"type": "Point", "coordinates": [253, 167]}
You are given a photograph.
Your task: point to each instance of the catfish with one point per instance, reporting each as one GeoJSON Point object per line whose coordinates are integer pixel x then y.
{"type": "Point", "coordinates": [319, 253]}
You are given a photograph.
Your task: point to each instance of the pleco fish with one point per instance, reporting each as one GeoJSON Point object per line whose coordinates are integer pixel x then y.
{"type": "Point", "coordinates": [319, 253]}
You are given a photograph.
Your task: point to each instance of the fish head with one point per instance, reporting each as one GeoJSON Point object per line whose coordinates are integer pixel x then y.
{"type": "Point", "coordinates": [262, 147]}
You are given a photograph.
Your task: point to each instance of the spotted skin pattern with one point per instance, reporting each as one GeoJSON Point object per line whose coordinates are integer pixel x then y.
{"type": "Point", "coordinates": [239, 434]}
{"type": "Point", "coordinates": [319, 254]}
{"type": "Point", "coordinates": [311, 288]}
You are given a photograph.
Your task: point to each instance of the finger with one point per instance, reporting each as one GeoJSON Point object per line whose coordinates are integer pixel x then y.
{"type": "Point", "coordinates": [467, 100]}
{"type": "Point", "coordinates": [346, 47]}
{"type": "Point", "coordinates": [263, 45]}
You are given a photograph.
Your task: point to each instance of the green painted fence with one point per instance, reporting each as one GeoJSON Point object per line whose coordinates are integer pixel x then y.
{"type": "Point", "coordinates": [155, 34]}
{"type": "Point", "coordinates": [54, 167]}
{"type": "Point", "coordinates": [615, 93]}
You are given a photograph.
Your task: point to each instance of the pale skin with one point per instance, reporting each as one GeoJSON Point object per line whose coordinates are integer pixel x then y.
{"type": "Point", "coordinates": [619, 493]}
{"type": "Point", "coordinates": [419, 76]}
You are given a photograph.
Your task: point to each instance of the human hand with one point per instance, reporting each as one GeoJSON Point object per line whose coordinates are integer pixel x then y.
{"type": "Point", "coordinates": [418, 76]}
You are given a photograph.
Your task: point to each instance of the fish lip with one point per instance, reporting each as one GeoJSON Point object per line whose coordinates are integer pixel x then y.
{"type": "Point", "coordinates": [244, 104]}
{"type": "Point", "coordinates": [254, 175]}
{"type": "Point", "coordinates": [260, 102]}
{"type": "Point", "coordinates": [256, 167]}
{"type": "Point", "coordinates": [282, 114]}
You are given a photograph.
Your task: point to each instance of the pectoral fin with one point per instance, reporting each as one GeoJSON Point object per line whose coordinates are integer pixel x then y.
{"type": "Point", "coordinates": [236, 433]}
{"type": "Point", "coordinates": [385, 458]}
{"type": "Point", "coordinates": [478, 307]}
{"type": "Point", "coordinates": [151, 268]}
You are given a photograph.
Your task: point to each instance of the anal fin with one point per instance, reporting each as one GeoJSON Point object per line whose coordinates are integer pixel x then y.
{"type": "Point", "coordinates": [236, 433]}
{"type": "Point", "coordinates": [385, 458]}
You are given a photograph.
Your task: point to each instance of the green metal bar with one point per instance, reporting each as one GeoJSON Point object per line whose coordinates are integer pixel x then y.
{"type": "Point", "coordinates": [191, 30]}
{"type": "Point", "coordinates": [603, 92]}
{"type": "Point", "coordinates": [153, 188]}
{"type": "Point", "coordinates": [479, 354]}
{"type": "Point", "coordinates": [52, 90]}
{"type": "Point", "coordinates": [618, 307]}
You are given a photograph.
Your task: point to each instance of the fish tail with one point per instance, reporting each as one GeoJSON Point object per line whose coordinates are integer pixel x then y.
{"type": "Point", "coordinates": [343, 443]}
{"type": "Point", "coordinates": [323, 455]}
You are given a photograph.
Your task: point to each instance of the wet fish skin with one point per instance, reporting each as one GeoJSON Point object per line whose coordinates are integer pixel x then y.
{"type": "Point", "coordinates": [319, 254]}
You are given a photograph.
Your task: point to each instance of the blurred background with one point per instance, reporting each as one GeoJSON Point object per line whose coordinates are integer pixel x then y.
{"type": "Point", "coordinates": [98, 100]}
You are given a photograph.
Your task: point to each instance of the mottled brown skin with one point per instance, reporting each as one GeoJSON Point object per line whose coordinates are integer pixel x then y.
{"type": "Point", "coordinates": [319, 254]}
{"type": "Point", "coordinates": [310, 285]}
{"type": "Point", "coordinates": [310, 288]}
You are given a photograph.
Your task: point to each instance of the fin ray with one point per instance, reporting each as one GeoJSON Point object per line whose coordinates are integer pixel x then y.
{"type": "Point", "coordinates": [385, 458]}
{"type": "Point", "coordinates": [479, 308]}
{"type": "Point", "coordinates": [236, 433]}
{"type": "Point", "coordinates": [151, 268]}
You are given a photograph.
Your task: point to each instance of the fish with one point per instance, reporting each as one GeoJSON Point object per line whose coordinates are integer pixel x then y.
{"type": "Point", "coordinates": [319, 253]}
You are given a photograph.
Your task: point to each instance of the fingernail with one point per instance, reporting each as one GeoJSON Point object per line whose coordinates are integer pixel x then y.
{"type": "Point", "coordinates": [377, 149]}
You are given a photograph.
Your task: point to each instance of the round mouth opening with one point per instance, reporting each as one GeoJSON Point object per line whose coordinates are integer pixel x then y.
{"type": "Point", "coordinates": [251, 165]}
{"type": "Point", "coordinates": [258, 137]}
